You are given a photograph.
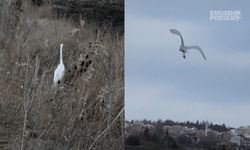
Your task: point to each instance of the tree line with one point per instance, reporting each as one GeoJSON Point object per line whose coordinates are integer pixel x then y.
{"type": "Point", "coordinates": [199, 125]}
{"type": "Point", "coordinates": [163, 139]}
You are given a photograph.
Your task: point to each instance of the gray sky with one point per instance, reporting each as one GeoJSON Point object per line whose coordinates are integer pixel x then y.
{"type": "Point", "coordinates": [160, 84]}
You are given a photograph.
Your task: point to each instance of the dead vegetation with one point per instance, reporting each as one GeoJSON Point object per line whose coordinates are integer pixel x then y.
{"type": "Point", "coordinates": [86, 111]}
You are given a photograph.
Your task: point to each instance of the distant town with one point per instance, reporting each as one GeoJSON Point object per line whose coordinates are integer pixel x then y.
{"type": "Point", "coordinates": [162, 135]}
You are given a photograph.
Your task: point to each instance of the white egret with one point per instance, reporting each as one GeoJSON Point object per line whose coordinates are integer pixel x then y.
{"type": "Point", "coordinates": [184, 48]}
{"type": "Point", "coordinates": [59, 72]}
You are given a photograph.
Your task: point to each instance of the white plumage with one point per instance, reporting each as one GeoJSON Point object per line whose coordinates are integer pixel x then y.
{"type": "Point", "coordinates": [59, 72]}
{"type": "Point", "coordinates": [184, 48]}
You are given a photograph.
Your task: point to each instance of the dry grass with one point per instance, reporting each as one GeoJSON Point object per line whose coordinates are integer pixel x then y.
{"type": "Point", "coordinates": [89, 100]}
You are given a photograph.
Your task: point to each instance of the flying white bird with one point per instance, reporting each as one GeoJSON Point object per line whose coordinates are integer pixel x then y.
{"type": "Point", "coordinates": [184, 48]}
{"type": "Point", "coordinates": [59, 72]}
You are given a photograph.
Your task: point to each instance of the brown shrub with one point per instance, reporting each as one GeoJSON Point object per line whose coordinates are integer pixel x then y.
{"type": "Point", "coordinates": [89, 98]}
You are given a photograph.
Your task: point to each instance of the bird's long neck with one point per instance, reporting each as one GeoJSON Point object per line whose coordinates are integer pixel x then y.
{"type": "Point", "coordinates": [61, 60]}
{"type": "Point", "coordinates": [182, 42]}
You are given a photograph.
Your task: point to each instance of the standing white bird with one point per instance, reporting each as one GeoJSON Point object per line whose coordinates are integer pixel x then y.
{"type": "Point", "coordinates": [184, 48]}
{"type": "Point", "coordinates": [59, 72]}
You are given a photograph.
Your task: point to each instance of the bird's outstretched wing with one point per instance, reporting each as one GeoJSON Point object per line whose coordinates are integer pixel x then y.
{"type": "Point", "coordinates": [196, 47]}
{"type": "Point", "coordinates": [174, 31]}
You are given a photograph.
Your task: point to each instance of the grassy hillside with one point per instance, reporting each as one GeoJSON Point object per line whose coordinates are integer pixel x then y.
{"type": "Point", "coordinates": [84, 110]}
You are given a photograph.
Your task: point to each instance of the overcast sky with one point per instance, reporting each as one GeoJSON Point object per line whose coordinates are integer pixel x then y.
{"type": "Point", "coordinates": [160, 84]}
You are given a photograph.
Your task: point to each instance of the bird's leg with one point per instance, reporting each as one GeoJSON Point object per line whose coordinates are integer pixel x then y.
{"type": "Point", "coordinates": [184, 55]}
